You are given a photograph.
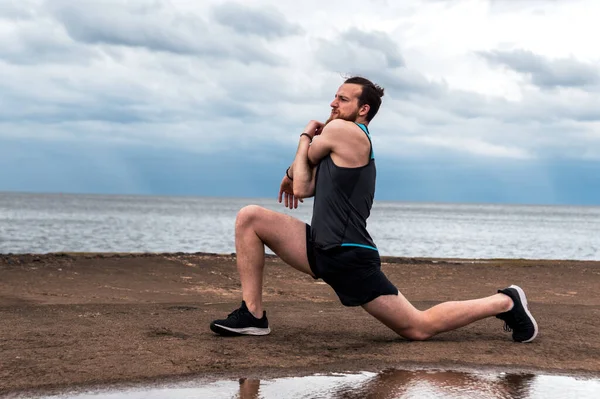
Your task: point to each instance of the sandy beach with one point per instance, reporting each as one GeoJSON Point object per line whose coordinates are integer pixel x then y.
{"type": "Point", "coordinates": [78, 320]}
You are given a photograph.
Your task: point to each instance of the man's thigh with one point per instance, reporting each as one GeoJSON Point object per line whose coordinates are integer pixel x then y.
{"type": "Point", "coordinates": [394, 311]}
{"type": "Point", "coordinates": [284, 235]}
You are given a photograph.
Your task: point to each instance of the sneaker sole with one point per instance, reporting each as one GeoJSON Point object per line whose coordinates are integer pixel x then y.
{"type": "Point", "coordinates": [239, 331]}
{"type": "Point", "coordinates": [523, 299]}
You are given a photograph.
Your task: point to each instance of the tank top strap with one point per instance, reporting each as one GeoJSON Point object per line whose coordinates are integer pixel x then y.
{"type": "Point", "coordinates": [366, 130]}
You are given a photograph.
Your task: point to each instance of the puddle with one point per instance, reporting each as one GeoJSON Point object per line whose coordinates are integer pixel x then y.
{"type": "Point", "coordinates": [388, 384]}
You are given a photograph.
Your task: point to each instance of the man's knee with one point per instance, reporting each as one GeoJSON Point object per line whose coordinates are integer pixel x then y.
{"type": "Point", "coordinates": [416, 334]}
{"type": "Point", "coordinates": [247, 216]}
{"type": "Point", "coordinates": [420, 330]}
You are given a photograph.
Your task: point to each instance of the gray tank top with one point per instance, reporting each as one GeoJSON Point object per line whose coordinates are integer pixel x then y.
{"type": "Point", "coordinates": [342, 203]}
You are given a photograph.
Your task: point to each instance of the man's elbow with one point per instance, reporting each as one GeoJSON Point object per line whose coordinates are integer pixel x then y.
{"type": "Point", "coordinates": [301, 193]}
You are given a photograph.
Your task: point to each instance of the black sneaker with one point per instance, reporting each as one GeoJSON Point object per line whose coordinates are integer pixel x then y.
{"type": "Point", "coordinates": [518, 319]}
{"type": "Point", "coordinates": [241, 322]}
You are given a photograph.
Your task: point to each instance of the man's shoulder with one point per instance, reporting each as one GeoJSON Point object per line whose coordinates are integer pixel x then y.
{"type": "Point", "coordinates": [337, 126]}
{"type": "Point", "coordinates": [346, 139]}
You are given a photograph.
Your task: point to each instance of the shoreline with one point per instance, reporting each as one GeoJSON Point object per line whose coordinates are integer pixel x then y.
{"type": "Point", "coordinates": [84, 320]}
{"type": "Point", "coordinates": [384, 258]}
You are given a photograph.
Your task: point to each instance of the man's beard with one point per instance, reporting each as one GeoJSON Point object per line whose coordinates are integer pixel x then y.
{"type": "Point", "coordinates": [350, 118]}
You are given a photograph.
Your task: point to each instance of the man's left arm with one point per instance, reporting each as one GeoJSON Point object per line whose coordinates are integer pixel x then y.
{"type": "Point", "coordinates": [303, 172]}
{"type": "Point", "coordinates": [308, 157]}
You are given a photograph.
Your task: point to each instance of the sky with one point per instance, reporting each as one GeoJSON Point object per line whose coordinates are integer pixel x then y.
{"type": "Point", "coordinates": [493, 101]}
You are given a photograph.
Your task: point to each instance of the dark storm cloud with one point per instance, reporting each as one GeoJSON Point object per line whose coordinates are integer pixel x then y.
{"type": "Point", "coordinates": [543, 72]}
{"type": "Point", "coordinates": [267, 22]}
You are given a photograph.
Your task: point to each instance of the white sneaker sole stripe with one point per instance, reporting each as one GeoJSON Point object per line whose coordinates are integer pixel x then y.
{"type": "Point", "coordinates": [247, 330]}
{"type": "Point", "coordinates": [524, 302]}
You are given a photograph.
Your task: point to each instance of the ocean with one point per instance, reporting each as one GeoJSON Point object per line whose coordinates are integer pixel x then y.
{"type": "Point", "coordinates": [42, 223]}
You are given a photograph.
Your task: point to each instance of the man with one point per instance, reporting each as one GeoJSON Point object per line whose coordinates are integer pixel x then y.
{"type": "Point", "coordinates": [334, 163]}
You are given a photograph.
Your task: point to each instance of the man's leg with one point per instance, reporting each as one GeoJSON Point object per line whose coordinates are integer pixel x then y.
{"type": "Point", "coordinates": [256, 227]}
{"type": "Point", "coordinates": [400, 315]}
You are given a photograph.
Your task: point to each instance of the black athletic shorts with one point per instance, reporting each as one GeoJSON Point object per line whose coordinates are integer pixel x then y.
{"type": "Point", "coordinates": [354, 273]}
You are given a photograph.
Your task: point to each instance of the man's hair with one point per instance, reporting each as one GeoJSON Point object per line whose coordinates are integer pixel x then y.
{"type": "Point", "coordinates": [371, 95]}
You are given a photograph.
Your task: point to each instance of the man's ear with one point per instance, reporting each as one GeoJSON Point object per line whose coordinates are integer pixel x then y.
{"type": "Point", "coordinates": [364, 110]}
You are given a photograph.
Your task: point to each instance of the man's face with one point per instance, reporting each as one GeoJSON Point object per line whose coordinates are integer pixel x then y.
{"type": "Point", "coordinates": [345, 104]}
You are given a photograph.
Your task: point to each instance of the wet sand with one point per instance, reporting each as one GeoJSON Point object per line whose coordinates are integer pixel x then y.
{"type": "Point", "coordinates": [78, 320]}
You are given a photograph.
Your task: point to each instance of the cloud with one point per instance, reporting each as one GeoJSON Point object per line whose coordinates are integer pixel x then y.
{"type": "Point", "coordinates": [107, 168]}
{"type": "Point", "coordinates": [156, 26]}
{"type": "Point", "coordinates": [17, 10]}
{"type": "Point", "coordinates": [265, 22]}
{"type": "Point", "coordinates": [421, 115]}
{"type": "Point", "coordinates": [359, 49]}
{"type": "Point", "coordinates": [476, 147]}
{"type": "Point", "coordinates": [232, 80]}
{"type": "Point", "coordinates": [379, 41]}
{"type": "Point", "coordinates": [543, 72]}
{"type": "Point", "coordinates": [376, 56]}
{"type": "Point", "coordinates": [39, 42]}
{"type": "Point", "coordinates": [212, 77]}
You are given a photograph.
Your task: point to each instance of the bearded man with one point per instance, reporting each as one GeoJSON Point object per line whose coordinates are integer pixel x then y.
{"type": "Point", "coordinates": [335, 164]}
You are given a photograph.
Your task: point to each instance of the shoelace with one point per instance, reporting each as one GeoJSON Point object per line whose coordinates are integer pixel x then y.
{"type": "Point", "coordinates": [235, 313]}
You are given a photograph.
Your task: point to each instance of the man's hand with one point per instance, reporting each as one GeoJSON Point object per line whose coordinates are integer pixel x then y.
{"type": "Point", "coordinates": [286, 192]}
{"type": "Point", "coordinates": [314, 128]}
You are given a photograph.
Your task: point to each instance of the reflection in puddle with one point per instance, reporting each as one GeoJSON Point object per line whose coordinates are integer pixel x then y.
{"type": "Point", "coordinates": [389, 384]}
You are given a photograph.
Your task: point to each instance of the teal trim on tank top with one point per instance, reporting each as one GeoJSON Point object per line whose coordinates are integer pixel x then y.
{"type": "Point", "coordinates": [359, 245]}
{"type": "Point", "coordinates": [366, 130]}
